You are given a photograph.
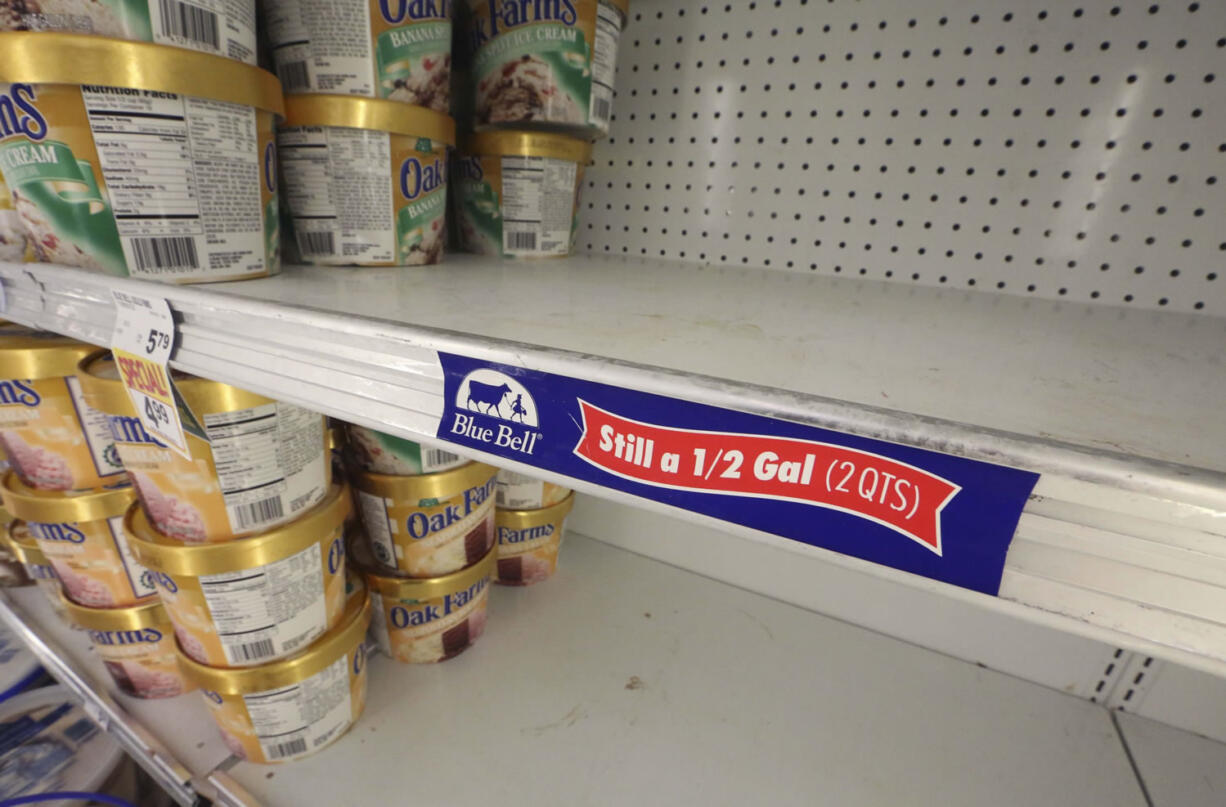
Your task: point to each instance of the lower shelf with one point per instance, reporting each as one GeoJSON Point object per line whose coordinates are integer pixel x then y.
{"type": "Point", "coordinates": [625, 680]}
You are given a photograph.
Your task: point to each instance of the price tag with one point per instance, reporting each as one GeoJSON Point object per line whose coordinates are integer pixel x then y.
{"type": "Point", "coordinates": [143, 339]}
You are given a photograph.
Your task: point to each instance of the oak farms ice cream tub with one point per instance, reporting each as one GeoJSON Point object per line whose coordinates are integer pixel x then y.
{"type": "Point", "coordinates": [37, 567]}
{"type": "Point", "coordinates": [290, 708]}
{"type": "Point", "coordinates": [139, 159]}
{"type": "Point", "coordinates": [365, 180]}
{"type": "Point", "coordinates": [254, 600]}
{"type": "Point", "coordinates": [518, 491]}
{"type": "Point", "coordinates": [263, 462]}
{"type": "Point", "coordinates": [528, 542]}
{"type": "Point", "coordinates": [382, 453]}
{"type": "Point", "coordinates": [420, 621]}
{"type": "Point", "coordinates": [549, 62]}
{"type": "Point", "coordinates": [53, 438]}
{"type": "Point", "coordinates": [81, 534]}
{"type": "Point", "coordinates": [137, 645]}
{"type": "Point", "coordinates": [394, 49]}
{"type": "Point", "coordinates": [429, 525]}
{"type": "Point", "coordinates": [516, 194]}
{"type": "Point", "coordinates": [220, 27]}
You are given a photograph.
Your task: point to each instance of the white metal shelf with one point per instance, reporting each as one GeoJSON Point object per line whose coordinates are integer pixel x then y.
{"type": "Point", "coordinates": [624, 680]}
{"type": "Point", "coordinates": [171, 739]}
{"type": "Point", "coordinates": [1124, 539]}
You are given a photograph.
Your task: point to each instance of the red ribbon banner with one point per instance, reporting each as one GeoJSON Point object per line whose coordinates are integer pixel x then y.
{"type": "Point", "coordinates": [893, 494]}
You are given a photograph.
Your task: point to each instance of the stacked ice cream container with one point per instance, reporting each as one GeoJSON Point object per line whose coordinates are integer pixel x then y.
{"type": "Point", "coordinates": [68, 492]}
{"type": "Point", "coordinates": [364, 143]}
{"type": "Point", "coordinates": [244, 540]}
{"type": "Point", "coordinates": [427, 545]}
{"type": "Point", "coordinates": [228, 569]}
{"type": "Point", "coordinates": [137, 139]}
{"type": "Point", "coordinates": [531, 517]}
{"type": "Point", "coordinates": [540, 85]}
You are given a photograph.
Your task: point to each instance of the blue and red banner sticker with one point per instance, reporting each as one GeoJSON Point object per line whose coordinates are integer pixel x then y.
{"type": "Point", "coordinates": [944, 517]}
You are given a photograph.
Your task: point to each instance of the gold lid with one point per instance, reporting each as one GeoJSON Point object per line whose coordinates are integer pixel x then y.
{"type": "Point", "coordinates": [369, 113]}
{"type": "Point", "coordinates": [59, 506]}
{"type": "Point", "coordinates": [22, 544]}
{"type": "Point", "coordinates": [57, 58]}
{"type": "Point", "coordinates": [522, 519]}
{"type": "Point", "coordinates": [193, 560]}
{"type": "Point", "coordinates": [335, 437]}
{"type": "Point", "coordinates": [103, 390]}
{"type": "Point", "coordinates": [528, 144]}
{"type": "Point", "coordinates": [27, 353]}
{"type": "Point", "coordinates": [441, 485]}
{"type": "Point", "coordinates": [319, 655]}
{"type": "Point", "coordinates": [149, 614]}
{"type": "Point", "coordinates": [417, 588]}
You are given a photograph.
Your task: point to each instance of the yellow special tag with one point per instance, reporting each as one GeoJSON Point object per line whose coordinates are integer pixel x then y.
{"type": "Point", "coordinates": [142, 341]}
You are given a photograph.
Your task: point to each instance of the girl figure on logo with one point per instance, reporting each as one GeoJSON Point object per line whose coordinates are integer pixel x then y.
{"type": "Point", "coordinates": [517, 408]}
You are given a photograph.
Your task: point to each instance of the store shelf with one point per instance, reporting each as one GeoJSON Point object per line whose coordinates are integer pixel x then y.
{"type": "Point", "coordinates": [1178, 769]}
{"type": "Point", "coordinates": [625, 680]}
{"type": "Point", "coordinates": [1101, 394]}
{"type": "Point", "coordinates": [1124, 539]}
{"type": "Point", "coordinates": [171, 739]}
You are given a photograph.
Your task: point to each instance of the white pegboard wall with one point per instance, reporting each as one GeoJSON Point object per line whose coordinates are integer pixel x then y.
{"type": "Point", "coordinates": [1069, 150]}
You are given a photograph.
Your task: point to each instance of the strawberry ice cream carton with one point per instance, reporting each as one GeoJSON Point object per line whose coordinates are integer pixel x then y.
{"type": "Point", "coordinates": [528, 542]}
{"type": "Point", "coordinates": [213, 497]}
{"type": "Point", "coordinates": [249, 602]}
{"type": "Point", "coordinates": [287, 709]}
{"type": "Point", "coordinates": [81, 534]}
{"type": "Point", "coordinates": [137, 646]}
{"type": "Point", "coordinates": [38, 568]}
{"type": "Point", "coordinates": [53, 438]}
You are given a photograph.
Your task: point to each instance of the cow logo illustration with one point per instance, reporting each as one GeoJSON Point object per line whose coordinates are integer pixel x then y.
{"type": "Point", "coordinates": [496, 394]}
{"type": "Point", "coordinates": [493, 411]}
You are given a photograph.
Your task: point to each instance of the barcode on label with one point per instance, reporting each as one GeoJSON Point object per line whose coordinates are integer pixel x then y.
{"type": "Point", "coordinates": [436, 456]}
{"type": "Point", "coordinates": [317, 243]}
{"type": "Point", "coordinates": [165, 253]}
{"type": "Point", "coordinates": [287, 749]}
{"type": "Point", "coordinates": [261, 512]}
{"type": "Point", "coordinates": [518, 241]}
{"type": "Point", "coordinates": [294, 75]}
{"type": "Point", "coordinates": [189, 22]}
{"type": "Point", "coordinates": [602, 108]}
{"type": "Point", "coordinates": [252, 651]}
